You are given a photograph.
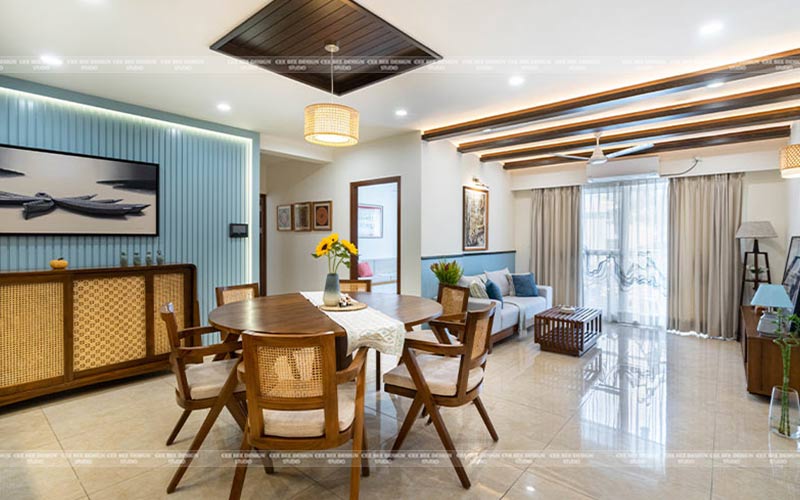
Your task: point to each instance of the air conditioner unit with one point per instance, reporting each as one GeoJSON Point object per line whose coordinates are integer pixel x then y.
{"type": "Point", "coordinates": [624, 169]}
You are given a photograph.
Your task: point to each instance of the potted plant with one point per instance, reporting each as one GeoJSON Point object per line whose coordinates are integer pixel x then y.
{"type": "Point", "coordinates": [338, 253]}
{"type": "Point", "coordinates": [784, 407]}
{"type": "Point", "coordinates": [447, 273]}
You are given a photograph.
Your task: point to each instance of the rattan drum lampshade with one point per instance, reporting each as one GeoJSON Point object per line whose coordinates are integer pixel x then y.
{"type": "Point", "coordinates": [790, 161]}
{"type": "Point", "coordinates": [331, 124]}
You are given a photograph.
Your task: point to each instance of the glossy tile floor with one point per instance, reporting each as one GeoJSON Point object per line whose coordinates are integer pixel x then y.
{"type": "Point", "coordinates": [644, 415]}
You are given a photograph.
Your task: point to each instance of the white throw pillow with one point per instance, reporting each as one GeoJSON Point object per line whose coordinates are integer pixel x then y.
{"type": "Point", "coordinates": [466, 281]}
{"type": "Point", "coordinates": [502, 279]}
{"type": "Point", "coordinates": [478, 290]}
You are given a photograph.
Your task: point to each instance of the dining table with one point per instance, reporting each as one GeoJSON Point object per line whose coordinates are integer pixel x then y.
{"type": "Point", "coordinates": [292, 313]}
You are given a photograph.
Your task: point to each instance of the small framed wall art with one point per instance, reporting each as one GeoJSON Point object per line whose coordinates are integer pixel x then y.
{"type": "Point", "coordinates": [323, 215]}
{"type": "Point", "coordinates": [284, 217]}
{"type": "Point", "coordinates": [301, 216]}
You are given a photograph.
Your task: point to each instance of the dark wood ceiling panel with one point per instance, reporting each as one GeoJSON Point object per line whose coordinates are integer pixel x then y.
{"type": "Point", "coordinates": [733, 102]}
{"type": "Point", "coordinates": [652, 134]}
{"type": "Point", "coordinates": [288, 38]}
{"type": "Point", "coordinates": [782, 61]}
{"type": "Point", "coordinates": [662, 147]}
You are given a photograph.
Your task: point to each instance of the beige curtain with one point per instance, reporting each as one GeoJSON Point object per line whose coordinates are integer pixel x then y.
{"type": "Point", "coordinates": [555, 241]}
{"type": "Point", "coordinates": [704, 262]}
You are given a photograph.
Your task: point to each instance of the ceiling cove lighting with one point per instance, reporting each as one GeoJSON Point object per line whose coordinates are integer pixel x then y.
{"type": "Point", "coordinates": [715, 85]}
{"type": "Point", "coordinates": [224, 107]}
{"type": "Point", "coordinates": [331, 124]}
{"type": "Point", "coordinates": [51, 60]}
{"type": "Point", "coordinates": [711, 28]}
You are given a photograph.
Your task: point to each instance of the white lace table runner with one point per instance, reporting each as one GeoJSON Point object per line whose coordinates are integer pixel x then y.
{"type": "Point", "coordinates": [366, 328]}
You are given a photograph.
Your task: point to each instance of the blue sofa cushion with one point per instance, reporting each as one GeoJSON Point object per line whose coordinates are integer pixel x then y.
{"type": "Point", "coordinates": [525, 285]}
{"type": "Point", "coordinates": [493, 291]}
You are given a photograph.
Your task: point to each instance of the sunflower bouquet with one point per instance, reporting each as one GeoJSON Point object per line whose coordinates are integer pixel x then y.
{"type": "Point", "coordinates": [338, 252]}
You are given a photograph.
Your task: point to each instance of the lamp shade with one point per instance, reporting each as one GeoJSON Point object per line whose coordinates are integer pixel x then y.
{"type": "Point", "coordinates": [756, 230]}
{"type": "Point", "coordinates": [790, 161]}
{"type": "Point", "coordinates": [772, 296]}
{"type": "Point", "coordinates": [331, 124]}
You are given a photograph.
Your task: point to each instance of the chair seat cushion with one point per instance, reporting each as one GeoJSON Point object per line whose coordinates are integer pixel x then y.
{"type": "Point", "coordinates": [428, 336]}
{"type": "Point", "coordinates": [440, 373]}
{"type": "Point", "coordinates": [311, 423]}
{"type": "Point", "coordinates": [206, 379]}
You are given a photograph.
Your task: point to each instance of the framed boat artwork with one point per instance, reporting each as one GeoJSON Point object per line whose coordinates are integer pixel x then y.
{"type": "Point", "coordinates": [54, 193]}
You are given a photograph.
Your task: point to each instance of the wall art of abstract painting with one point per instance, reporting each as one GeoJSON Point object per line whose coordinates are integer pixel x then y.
{"type": "Point", "coordinates": [52, 193]}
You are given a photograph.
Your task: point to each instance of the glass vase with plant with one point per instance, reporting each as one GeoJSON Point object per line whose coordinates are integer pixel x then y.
{"type": "Point", "coordinates": [338, 253]}
{"type": "Point", "coordinates": [447, 273]}
{"type": "Point", "coordinates": [784, 411]}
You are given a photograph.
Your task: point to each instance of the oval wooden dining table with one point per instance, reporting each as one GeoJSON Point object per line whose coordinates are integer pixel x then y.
{"type": "Point", "coordinates": [293, 313]}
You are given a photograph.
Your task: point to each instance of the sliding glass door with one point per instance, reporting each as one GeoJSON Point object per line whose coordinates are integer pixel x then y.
{"type": "Point", "coordinates": [624, 254]}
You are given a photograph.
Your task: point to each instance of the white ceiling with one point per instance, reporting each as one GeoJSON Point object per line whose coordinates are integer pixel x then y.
{"type": "Point", "coordinates": [575, 46]}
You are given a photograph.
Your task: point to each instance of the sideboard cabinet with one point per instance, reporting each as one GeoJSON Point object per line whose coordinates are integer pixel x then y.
{"type": "Point", "coordinates": [65, 329]}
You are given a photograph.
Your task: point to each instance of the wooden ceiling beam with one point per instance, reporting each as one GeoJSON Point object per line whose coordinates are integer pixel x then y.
{"type": "Point", "coordinates": [773, 63]}
{"type": "Point", "coordinates": [695, 142]}
{"type": "Point", "coordinates": [720, 104]}
{"type": "Point", "coordinates": [653, 134]}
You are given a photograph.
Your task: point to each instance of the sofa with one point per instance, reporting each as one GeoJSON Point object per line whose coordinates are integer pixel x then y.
{"type": "Point", "coordinates": [516, 314]}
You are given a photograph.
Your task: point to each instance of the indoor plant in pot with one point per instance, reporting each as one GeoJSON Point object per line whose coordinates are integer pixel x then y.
{"type": "Point", "coordinates": [448, 273]}
{"type": "Point", "coordinates": [338, 252]}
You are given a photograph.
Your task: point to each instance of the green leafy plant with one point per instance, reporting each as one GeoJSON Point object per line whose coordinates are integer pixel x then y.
{"type": "Point", "coordinates": [447, 272]}
{"type": "Point", "coordinates": [786, 341]}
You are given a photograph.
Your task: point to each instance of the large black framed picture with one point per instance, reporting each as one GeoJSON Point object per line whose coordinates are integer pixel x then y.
{"type": "Point", "coordinates": [53, 193]}
{"type": "Point", "coordinates": [791, 275]}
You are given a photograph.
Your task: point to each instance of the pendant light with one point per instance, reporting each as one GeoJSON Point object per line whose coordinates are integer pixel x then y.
{"type": "Point", "coordinates": [790, 155]}
{"type": "Point", "coordinates": [331, 124]}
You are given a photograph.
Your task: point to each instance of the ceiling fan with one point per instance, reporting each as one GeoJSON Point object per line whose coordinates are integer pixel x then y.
{"type": "Point", "coordinates": [599, 157]}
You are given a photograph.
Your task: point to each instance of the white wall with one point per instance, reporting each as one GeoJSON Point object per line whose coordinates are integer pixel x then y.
{"type": "Point", "coordinates": [290, 265]}
{"type": "Point", "coordinates": [444, 173]}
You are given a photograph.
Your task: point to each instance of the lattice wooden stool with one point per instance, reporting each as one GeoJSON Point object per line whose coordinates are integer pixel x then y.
{"type": "Point", "coordinates": [568, 333]}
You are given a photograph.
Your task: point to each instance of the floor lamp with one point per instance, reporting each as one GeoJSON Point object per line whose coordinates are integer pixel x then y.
{"type": "Point", "coordinates": [755, 231]}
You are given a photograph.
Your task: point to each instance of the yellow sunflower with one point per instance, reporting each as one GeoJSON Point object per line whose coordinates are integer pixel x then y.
{"type": "Point", "coordinates": [350, 247]}
{"type": "Point", "coordinates": [323, 247]}
{"type": "Point", "coordinates": [333, 238]}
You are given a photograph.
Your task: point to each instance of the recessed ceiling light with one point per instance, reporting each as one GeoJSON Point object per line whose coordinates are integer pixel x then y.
{"type": "Point", "coordinates": [51, 60]}
{"type": "Point", "coordinates": [516, 81]}
{"type": "Point", "coordinates": [224, 106]}
{"type": "Point", "coordinates": [715, 85]}
{"type": "Point", "coordinates": [711, 28]}
{"type": "Point", "coordinates": [401, 112]}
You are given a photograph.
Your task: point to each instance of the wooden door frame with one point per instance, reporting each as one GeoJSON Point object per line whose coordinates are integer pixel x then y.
{"type": "Point", "coordinates": [354, 220]}
{"type": "Point", "coordinates": [262, 243]}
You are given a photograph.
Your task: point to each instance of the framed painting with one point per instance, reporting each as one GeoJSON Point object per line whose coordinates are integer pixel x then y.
{"type": "Point", "coordinates": [791, 281]}
{"type": "Point", "coordinates": [284, 217]}
{"type": "Point", "coordinates": [53, 193]}
{"type": "Point", "coordinates": [794, 251]}
{"type": "Point", "coordinates": [370, 221]}
{"type": "Point", "coordinates": [475, 225]}
{"type": "Point", "coordinates": [323, 215]}
{"type": "Point", "coordinates": [301, 216]}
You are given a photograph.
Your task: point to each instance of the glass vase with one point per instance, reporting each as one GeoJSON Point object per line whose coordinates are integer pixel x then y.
{"type": "Point", "coordinates": [330, 297]}
{"type": "Point", "coordinates": [784, 413]}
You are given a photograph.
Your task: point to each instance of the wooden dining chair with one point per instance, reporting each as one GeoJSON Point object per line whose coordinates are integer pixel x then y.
{"type": "Point", "coordinates": [437, 375]}
{"type": "Point", "coordinates": [236, 293]}
{"type": "Point", "coordinates": [454, 300]}
{"type": "Point", "coordinates": [198, 383]}
{"type": "Point", "coordinates": [298, 401]}
{"type": "Point", "coordinates": [348, 286]}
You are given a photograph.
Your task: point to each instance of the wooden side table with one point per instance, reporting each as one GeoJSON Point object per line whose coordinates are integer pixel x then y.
{"type": "Point", "coordinates": [573, 333]}
{"type": "Point", "coordinates": [762, 358]}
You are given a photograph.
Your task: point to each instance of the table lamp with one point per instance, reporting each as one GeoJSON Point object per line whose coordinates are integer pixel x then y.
{"type": "Point", "coordinates": [772, 297]}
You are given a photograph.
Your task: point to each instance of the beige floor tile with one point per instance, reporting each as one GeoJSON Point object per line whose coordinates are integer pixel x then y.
{"type": "Point", "coordinates": [40, 475]}
{"type": "Point", "coordinates": [532, 486]}
{"type": "Point", "coordinates": [27, 430]}
{"type": "Point", "coordinates": [742, 484]}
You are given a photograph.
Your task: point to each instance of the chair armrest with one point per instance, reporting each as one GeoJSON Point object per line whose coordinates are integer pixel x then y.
{"type": "Point", "coordinates": [433, 348]}
{"type": "Point", "coordinates": [208, 350]}
{"type": "Point", "coordinates": [196, 331]}
{"type": "Point", "coordinates": [351, 372]}
{"type": "Point", "coordinates": [546, 292]}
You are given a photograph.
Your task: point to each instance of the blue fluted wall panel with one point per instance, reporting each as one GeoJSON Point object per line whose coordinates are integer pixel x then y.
{"type": "Point", "coordinates": [472, 263]}
{"type": "Point", "coordinates": [204, 182]}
